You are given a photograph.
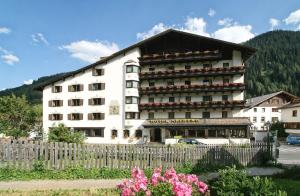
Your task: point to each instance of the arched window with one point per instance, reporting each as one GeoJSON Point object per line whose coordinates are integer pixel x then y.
{"type": "Point", "coordinates": [138, 133]}
{"type": "Point", "coordinates": [126, 133]}
{"type": "Point", "coordinates": [114, 133]}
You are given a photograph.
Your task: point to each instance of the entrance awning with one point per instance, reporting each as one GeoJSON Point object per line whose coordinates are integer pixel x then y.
{"type": "Point", "coordinates": [196, 122]}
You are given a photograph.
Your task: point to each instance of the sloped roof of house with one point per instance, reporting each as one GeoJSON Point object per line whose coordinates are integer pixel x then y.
{"type": "Point", "coordinates": [246, 50]}
{"type": "Point", "coordinates": [252, 102]}
{"type": "Point", "coordinates": [294, 103]}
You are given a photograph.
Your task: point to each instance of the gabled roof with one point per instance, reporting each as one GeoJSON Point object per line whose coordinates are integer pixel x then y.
{"type": "Point", "coordinates": [252, 102]}
{"type": "Point", "coordinates": [246, 49]}
{"type": "Point", "coordinates": [294, 103]}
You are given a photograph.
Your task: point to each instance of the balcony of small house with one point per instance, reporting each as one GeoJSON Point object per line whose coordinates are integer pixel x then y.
{"type": "Point", "coordinates": [193, 105]}
{"type": "Point", "coordinates": [178, 57]}
{"type": "Point", "coordinates": [192, 73]}
{"type": "Point", "coordinates": [192, 88]}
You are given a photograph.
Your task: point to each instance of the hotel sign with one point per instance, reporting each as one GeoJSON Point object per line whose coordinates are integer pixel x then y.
{"type": "Point", "coordinates": [174, 121]}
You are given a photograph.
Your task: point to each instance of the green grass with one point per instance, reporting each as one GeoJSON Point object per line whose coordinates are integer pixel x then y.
{"type": "Point", "coordinates": [88, 192]}
{"type": "Point", "coordinates": [292, 187]}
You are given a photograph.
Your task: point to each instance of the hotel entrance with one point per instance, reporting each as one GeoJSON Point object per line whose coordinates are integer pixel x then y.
{"type": "Point", "coordinates": [155, 135]}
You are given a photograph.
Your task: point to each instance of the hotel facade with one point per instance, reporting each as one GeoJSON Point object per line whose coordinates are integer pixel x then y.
{"type": "Point", "coordinates": [172, 85]}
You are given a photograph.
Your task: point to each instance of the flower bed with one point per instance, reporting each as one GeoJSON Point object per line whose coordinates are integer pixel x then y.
{"type": "Point", "coordinates": [170, 183]}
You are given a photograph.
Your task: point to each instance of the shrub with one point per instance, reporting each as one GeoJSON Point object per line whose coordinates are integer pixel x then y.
{"type": "Point", "coordinates": [170, 183]}
{"type": "Point", "coordinates": [235, 182]}
{"type": "Point", "coordinates": [65, 134]}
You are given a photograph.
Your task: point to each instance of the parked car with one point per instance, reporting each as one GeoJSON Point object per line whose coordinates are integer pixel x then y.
{"type": "Point", "coordinates": [190, 141]}
{"type": "Point", "coordinates": [293, 139]}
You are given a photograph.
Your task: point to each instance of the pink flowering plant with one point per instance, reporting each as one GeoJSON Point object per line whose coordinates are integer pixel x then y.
{"type": "Point", "coordinates": [167, 183]}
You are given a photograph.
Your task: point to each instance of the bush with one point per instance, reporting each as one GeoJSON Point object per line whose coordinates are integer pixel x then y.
{"type": "Point", "coordinates": [64, 134]}
{"type": "Point", "coordinates": [235, 182]}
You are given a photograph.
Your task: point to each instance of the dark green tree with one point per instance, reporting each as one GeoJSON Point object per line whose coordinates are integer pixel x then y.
{"type": "Point", "coordinates": [61, 133]}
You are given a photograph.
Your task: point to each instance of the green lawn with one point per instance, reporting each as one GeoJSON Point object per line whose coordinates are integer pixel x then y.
{"type": "Point", "coordinates": [292, 187]}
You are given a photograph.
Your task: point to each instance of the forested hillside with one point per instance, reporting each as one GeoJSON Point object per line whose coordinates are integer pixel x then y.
{"type": "Point", "coordinates": [276, 64]}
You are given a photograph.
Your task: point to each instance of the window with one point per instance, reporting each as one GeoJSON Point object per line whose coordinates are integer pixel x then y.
{"type": "Point", "coordinates": [92, 132]}
{"type": "Point", "coordinates": [188, 98]}
{"type": "Point", "coordinates": [207, 82]}
{"type": "Point", "coordinates": [150, 115]}
{"type": "Point", "coordinates": [225, 80]}
{"type": "Point", "coordinates": [263, 109]}
{"type": "Point", "coordinates": [170, 82]}
{"type": "Point", "coordinates": [225, 65]}
{"type": "Point", "coordinates": [96, 86]}
{"type": "Point", "coordinates": [55, 117]}
{"type": "Point", "coordinates": [171, 99]}
{"type": "Point", "coordinates": [187, 82]}
{"type": "Point", "coordinates": [56, 89]}
{"type": "Point", "coordinates": [254, 119]}
{"type": "Point", "coordinates": [187, 67]}
{"type": "Point", "coordinates": [96, 116]}
{"type": "Point", "coordinates": [98, 72]}
{"type": "Point", "coordinates": [126, 133]}
{"type": "Point", "coordinates": [205, 114]}
{"type": "Point", "coordinates": [151, 83]}
{"type": "Point", "coordinates": [114, 133]}
{"type": "Point", "coordinates": [294, 113]}
{"type": "Point", "coordinates": [131, 100]}
{"type": "Point", "coordinates": [75, 88]}
{"type": "Point", "coordinates": [55, 103]}
{"type": "Point", "coordinates": [207, 65]}
{"type": "Point", "coordinates": [75, 116]}
{"type": "Point", "coordinates": [97, 101]}
{"type": "Point", "coordinates": [274, 109]}
{"type": "Point", "coordinates": [138, 133]}
{"type": "Point", "coordinates": [274, 119]}
{"type": "Point", "coordinates": [132, 84]}
{"type": "Point", "coordinates": [255, 109]}
{"type": "Point", "coordinates": [75, 102]}
{"type": "Point", "coordinates": [132, 115]}
{"type": "Point", "coordinates": [224, 114]}
{"type": "Point", "coordinates": [188, 115]}
{"type": "Point", "coordinates": [132, 69]}
{"type": "Point", "coordinates": [171, 67]}
{"type": "Point", "coordinates": [224, 97]}
{"type": "Point", "coordinates": [151, 68]}
{"type": "Point", "coordinates": [171, 115]}
{"type": "Point", "coordinates": [207, 98]}
{"type": "Point", "coordinates": [150, 99]}
{"type": "Point", "coordinates": [262, 119]}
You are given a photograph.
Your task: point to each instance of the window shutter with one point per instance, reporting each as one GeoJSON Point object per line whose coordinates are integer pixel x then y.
{"type": "Point", "coordinates": [81, 102]}
{"type": "Point", "coordinates": [80, 116]}
{"type": "Point", "coordinates": [60, 88]}
{"type": "Point", "coordinates": [50, 117]}
{"type": "Point", "coordinates": [102, 86]}
{"type": "Point", "coordinates": [49, 103]}
{"type": "Point", "coordinates": [90, 101]}
{"type": "Point", "coordinates": [81, 87]}
{"type": "Point", "coordinates": [102, 115]}
{"type": "Point", "coordinates": [94, 72]}
{"type": "Point", "coordinates": [61, 102]}
{"type": "Point", "coordinates": [60, 117]}
{"type": "Point", "coordinates": [70, 88]}
{"type": "Point", "coordinates": [90, 87]}
{"type": "Point", "coordinates": [53, 89]}
{"type": "Point", "coordinates": [102, 72]}
{"type": "Point", "coordinates": [69, 102]}
{"type": "Point", "coordinates": [90, 116]}
{"type": "Point", "coordinates": [69, 116]}
{"type": "Point", "coordinates": [102, 101]}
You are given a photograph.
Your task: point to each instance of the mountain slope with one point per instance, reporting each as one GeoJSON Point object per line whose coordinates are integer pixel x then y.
{"type": "Point", "coordinates": [276, 64]}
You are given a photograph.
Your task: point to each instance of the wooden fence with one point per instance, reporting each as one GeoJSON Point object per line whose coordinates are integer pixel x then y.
{"type": "Point", "coordinates": [23, 154]}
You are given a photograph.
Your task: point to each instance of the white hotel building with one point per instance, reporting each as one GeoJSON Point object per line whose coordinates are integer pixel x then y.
{"type": "Point", "coordinates": [172, 84]}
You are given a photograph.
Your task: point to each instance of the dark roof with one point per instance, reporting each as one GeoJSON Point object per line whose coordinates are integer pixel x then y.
{"type": "Point", "coordinates": [246, 49]}
{"type": "Point", "coordinates": [252, 102]}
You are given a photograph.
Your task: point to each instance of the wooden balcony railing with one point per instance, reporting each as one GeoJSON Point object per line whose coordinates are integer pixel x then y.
{"type": "Point", "coordinates": [292, 125]}
{"type": "Point", "coordinates": [149, 59]}
{"type": "Point", "coordinates": [193, 72]}
{"type": "Point", "coordinates": [192, 105]}
{"type": "Point", "coordinates": [193, 88]}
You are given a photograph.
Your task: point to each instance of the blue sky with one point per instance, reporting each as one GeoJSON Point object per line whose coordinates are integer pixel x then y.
{"type": "Point", "coordinates": [40, 38]}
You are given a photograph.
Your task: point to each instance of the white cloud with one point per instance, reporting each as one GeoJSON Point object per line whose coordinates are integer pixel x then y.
{"type": "Point", "coordinates": [28, 82]}
{"type": "Point", "coordinates": [225, 22]}
{"type": "Point", "coordinates": [195, 25]}
{"type": "Point", "coordinates": [90, 51]}
{"type": "Point", "coordinates": [236, 33]}
{"type": "Point", "coordinates": [293, 18]}
{"type": "Point", "coordinates": [39, 38]}
{"type": "Point", "coordinates": [4, 30]}
{"type": "Point", "coordinates": [10, 59]}
{"type": "Point", "coordinates": [274, 23]}
{"type": "Point", "coordinates": [211, 12]}
{"type": "Point", "coordinates": [153, 31]}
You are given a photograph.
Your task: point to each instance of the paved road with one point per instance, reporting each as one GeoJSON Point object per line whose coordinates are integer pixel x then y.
{"type": "Point", "coordinates": [289, 154]}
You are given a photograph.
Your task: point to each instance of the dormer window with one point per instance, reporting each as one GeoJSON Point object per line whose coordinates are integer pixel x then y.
{"type": "Point", "coordinates": [98, 72]}
{"type": "Point", "coordinates": [56, 89]}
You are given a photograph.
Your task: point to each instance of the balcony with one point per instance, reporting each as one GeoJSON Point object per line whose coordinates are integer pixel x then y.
{"type": "Point", "coordinates": [192, 73]}
{"type": "Point", "coordinates": [292, 125]}
{"type": "Point", "coordinates": [178, 57]}
{"type": "Point", "coordinates": [192, 105]}
{"type": "Point", "coordinates": [192, 88]}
